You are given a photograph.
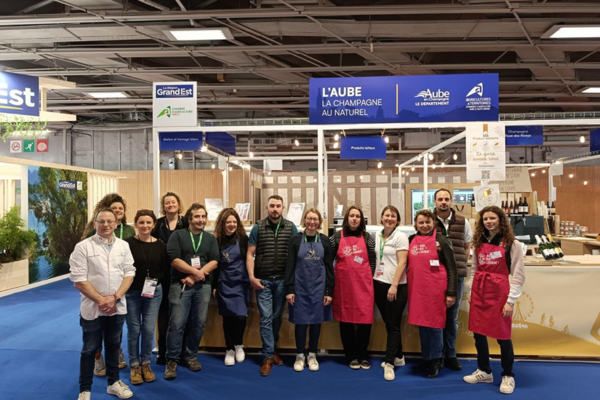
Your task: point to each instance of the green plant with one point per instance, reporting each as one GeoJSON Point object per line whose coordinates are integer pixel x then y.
{"type": "Point", "coordinates": [15, 242]}
{"type": "Point", "coordinates": [20, 126]}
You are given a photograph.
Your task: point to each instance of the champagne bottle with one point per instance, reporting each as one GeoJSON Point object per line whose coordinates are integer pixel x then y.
{"type": "Point", "coordinates": [551, 248]}
{"type": "Point", "coordinates": [511, 209]}
{"type": "Point", "coordinates": [516, 209]}
{"type": "Point", "coordinates": [525, 207]}
{"type": "Point", "coordinates": [556, 246]}
{"type": "Point", "coordinates": [548, 207]}
{"type": "Point", "coordinates": [553, 209]}
{"type": "Point", "coordinates": [503, 206]}
{"type": "Point", "coordinates": [520, 205]}
{"type": "Point", "coordinates": [545, 252]}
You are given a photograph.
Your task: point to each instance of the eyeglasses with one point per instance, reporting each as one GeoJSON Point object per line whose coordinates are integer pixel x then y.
{"type": "Point", "coordinates": [102, 222]}
{"type": "Point", "coordinates": [312, 219]}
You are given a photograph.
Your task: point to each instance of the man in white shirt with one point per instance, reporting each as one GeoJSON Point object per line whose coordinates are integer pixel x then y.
{"type": "Point", "coordinates": [102, 270]}
{"type": "Point", "coordinates": [458, 230]}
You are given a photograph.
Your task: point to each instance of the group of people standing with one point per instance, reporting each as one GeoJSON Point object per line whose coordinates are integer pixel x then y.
{"type": "Point", "coordinates": [168, 270]}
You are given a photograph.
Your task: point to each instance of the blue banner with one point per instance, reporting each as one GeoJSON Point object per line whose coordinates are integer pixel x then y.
{"type": "Point", "coordinates": [389, 99]}
{"type": "Point", "coordinates": [19, 94]}
{"type": "Point", "coordinates": [68, 185]}
{"type": "Point", "coordinates": [180, 141]}
{"type": "Point", "coordinates": [221, 140]}
{"type": "Point", "coordinates": [595, 140]}
{"type": "Point", "coordinates": [363, 148]}
{"type": "Point", "coordinates": [176, 90]}
{"type": "Point", "coordinates": [524, 135]}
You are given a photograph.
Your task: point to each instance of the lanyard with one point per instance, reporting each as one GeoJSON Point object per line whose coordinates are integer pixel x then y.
{"type": "Point", "coordinates": [382, 244]}
{"type": "Point", "coordinates": [121, 234]}
{"type": "Point", "coordinates": [316, 237]}
{"type": "Point", "coordinates": [146, 259]}
{"type": "Point", "coordinates": [277, 229]}
{"type": "Point", "coordinates": [194, 242]}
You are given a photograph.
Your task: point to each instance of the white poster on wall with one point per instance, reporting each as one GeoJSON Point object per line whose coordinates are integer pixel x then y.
{"type": "Point", "coordinates": [213, 208]}
{"type": "Point", "coordinates": [486, 157]}
{"type": "Point", "coordinates": [243, 209]}
{"type": "Point", "coordinates": [174, 104]}
{"type": "Point", "coordinates": [486, 195]}
{"type": "Point", "coordinates": [295, 213]}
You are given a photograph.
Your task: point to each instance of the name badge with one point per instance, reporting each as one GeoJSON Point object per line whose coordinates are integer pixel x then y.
{"type": "Point", "coordinates": [149, 287]}
{"type": "Point", "coordinates": [495, 254]}
{"type": "Point", "coordinates": [434, 263]}
{"type": "Point", "coordinates": [358, 259]}
{"type": "Point", "coordinates": [196, 262]}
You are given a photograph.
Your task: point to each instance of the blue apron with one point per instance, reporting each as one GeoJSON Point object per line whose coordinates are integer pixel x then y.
{"type": "Point", "coordinates": [308, 305]}
{"type": "Point", "coordinates": [233, 291]}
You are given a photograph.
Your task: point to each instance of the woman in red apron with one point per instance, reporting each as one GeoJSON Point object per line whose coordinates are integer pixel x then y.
{"type": "Point", "coordinates": [309, 281]}
{"type": "Point", "coordinates": [432, 287]}
{"type": "Point", "coordinates": [230, 282]}
{"type": "Point", "coordinates": [353, 294]}
{"type": "Point", "coordinates": [498, 277]}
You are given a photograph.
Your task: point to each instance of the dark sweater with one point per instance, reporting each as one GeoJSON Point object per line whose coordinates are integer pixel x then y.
{"type": "Point", "coordinates": [369, 241]}
{"type": "Point", "coordinates": [290, 270]}
{"type": "Point", "coordinates": [446, 257]}
{"type": "Point", "coordinates": [161, 229]}
{"type": "Point", "coordinates": [149, 259]}
{"type": "Point", "coordinates": [180, 246]}
{"type": "Point", "coordinates": [225, 242]}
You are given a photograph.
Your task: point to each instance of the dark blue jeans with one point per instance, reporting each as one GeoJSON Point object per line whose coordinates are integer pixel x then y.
{"type": "Point", "coordinates": [111, 328]}
{"type": "Point", "coordinates": [193, 302]}
{"type": "Point", "coordinates": [451, 329]}
{"type": "Point", "coordinates": [141, 320]}
{"type": "Point", "coordinates": [270, 301]}
{"type": "Point", "coordinates": [431, 343]}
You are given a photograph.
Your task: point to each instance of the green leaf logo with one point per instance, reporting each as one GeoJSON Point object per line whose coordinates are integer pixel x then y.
{"type": "Point", "coordinates": [166, 111]}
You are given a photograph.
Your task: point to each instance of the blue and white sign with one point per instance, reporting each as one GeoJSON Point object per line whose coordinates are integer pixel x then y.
{"type": "Point", "coordinates": [174, 104]}
{"type": "Point", "coordinates": [19, 94]}
{"type": "Point", "coordinates": [70, 185]}
{"type": "Point", "coordinates": [180, 141]}
{"type": "Point", "coordinates": [524, 135]}
{"type": "Point", "coordinates": [389, 99]}
{"type": "Point", "coordinates": [221, 140]}
{"type": "Point", "coordinates": [363, 148]}
{"type": "Point", "coordinates": [595, 140]}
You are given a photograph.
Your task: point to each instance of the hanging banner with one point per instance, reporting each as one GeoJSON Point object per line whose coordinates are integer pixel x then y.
{"type": "Point", "coordinates": [389, 99]}
{"type": "Point", "coordinates": [174, 104]}
{"type": "Point", "coordinates": [180, 141]}
{"type": "Point", "coordinates": [517, 181]}
{"type": "Point", "coordinates": [19, 94]}
{"type": "Point", "coordinates": [363, 148]}
{"type": "Point", "coordinates": [221, 140]}
{"type": "Point", "coordinates": [595, 140]}
{"type": "Point", "coordinates": [524, 135]}
{"type": "Point", "coordinates": [486, 157]}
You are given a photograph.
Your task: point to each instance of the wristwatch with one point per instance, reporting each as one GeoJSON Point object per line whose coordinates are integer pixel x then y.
{"type": "Point", "coordinates": [510, 303]}
{"type": "Point", "coordinates": [117, 299]}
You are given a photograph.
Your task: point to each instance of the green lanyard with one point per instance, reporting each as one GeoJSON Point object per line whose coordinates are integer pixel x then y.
{"type": "Point", "coordinates": [277, 229]}
{"type": "Point", "coordinates": [316, 237]}
{"type": "Point", "coordinates": [121, 234]}
{"type": "Point", "coordinates": [194, 242]}
{"type": "Point", "coordinates": [382, 244]}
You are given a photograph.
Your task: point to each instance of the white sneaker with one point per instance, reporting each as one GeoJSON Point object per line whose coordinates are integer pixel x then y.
{"type": "Point", "coordinates": [230, 358]}
{"type": "Point", "coordinates": [479, 377]}
{"type": "Point", "coordinates": [312, 362]}
{"type": "Point", "coordinates": [388, 372]}
{"type": "Point", "coordinates": [120, 390]}
{"type": "Point", "coordinates": [240, 355]}
{"type": "Point", "coordinates": [99, 366]}
{"type": "Point", "coordinates": [398, 362]}
{"type": "Point", "coordinates": [299, 363]}
{"type": "Point", "coordinates": [84, 396]}
{"type": "Point", "coordinates": [508, 385]}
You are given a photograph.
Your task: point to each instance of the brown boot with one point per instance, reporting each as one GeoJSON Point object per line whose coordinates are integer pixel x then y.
{"type": "Point", "coordinates": [136, 375]}
{"type": "Point", "coordinates": [277, 360]}
{"type": "Point", "coordinates": [267, 364]}
{"type": "Point", "coordinates": [148, 374]}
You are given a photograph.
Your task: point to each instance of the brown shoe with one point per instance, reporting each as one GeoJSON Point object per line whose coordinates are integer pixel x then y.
{"type": "Point", "coordinates": [265, 369]}
{"type": "Point", "coordinates": [148, 374]}
{"type": "Point", "coordinates": [277, 360]}
{"type": "Point", "coordinates": [135, 376]}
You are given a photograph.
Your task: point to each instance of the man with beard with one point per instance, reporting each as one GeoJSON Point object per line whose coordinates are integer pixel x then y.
{"type": "Point", "coordinates": [194, 253]}
{"type": "Point", "coordinates": [458, 230]}
{"type": "Point", "coordinates": [269, 240]}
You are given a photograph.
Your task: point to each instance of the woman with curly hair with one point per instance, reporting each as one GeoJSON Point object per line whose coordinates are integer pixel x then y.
{"type": "Point", "coordinates": [498, 277]}
{"type": "Point", "coordinates": [119, 206]}
{"type": "Point", "coordinates": [230, 282]}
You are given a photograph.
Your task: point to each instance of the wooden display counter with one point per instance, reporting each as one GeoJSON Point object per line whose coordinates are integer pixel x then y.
{"type": "Point", "coordinates": [578, 245]}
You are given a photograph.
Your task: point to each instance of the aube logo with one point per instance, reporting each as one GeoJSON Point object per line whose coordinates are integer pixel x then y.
{"type": "Point", "coordinates": [433, 98]}
{"type": "Point", "coordinates": [478, 89]}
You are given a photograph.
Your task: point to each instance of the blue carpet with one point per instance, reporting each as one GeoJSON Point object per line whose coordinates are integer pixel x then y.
{"type": "Point", "coordinates": [40, 340]}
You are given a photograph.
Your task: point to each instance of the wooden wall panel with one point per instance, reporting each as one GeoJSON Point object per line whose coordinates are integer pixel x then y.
{"type": "Point", "coordinates": [539, 184]}
{"type": "Point", "coordinates": [578, 202]}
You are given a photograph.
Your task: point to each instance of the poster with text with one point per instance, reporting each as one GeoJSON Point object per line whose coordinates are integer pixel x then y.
{"type": "Point", "coordinates": [486, 195]}
{"type": "Point", "coordinates": [486, 157]}
{"type": "Point", "coordinates": [213, 208]}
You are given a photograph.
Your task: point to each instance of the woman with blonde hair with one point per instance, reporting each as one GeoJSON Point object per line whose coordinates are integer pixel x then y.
{"type": "Point", "coordinates": [118, 205]}
{"type": "Point", "coordinates": [309, 282]}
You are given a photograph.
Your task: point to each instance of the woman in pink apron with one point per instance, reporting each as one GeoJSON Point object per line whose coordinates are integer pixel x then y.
{"type": "Point", "coordinates": [432, 287]}
{"type": "Point", "coordinates": [353, 294]}
{"type": "Point", "coordinates": [309, 282]}
{"type": "Point", "coordinates": [498, 277]}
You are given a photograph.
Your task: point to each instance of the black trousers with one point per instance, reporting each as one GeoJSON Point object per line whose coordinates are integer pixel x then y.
{"type": "Point", "coordinates": [391, 312]}
{"type": "Point", "coordinates": [507, 355]}
{"type": "Point", "coordinates": [313, 341]}
{"type": "Point", "coordinates": [163, 322]}
{"type": "Point", "coordinates": [355, 340]}
{"type": "Point", "coordinates": [234, 327]}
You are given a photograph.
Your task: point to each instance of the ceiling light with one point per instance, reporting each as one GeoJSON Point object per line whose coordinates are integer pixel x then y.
{"type": "Point", "coordinates": [585, 182]}
{"type": "Point", "coordinates": [204, 149]}
{"type": "Point", "coordinates": [379, 164]}
{"type": "Point", "coordinates": [533, 174]}
{"type": "Point", "coordinates": [571, 176]}
{"type": "Point", "coordinates": [412, 169]}
{"type": "Point", "coordinates": [455, 156]}
{"type": "Point", "coordinates": [251, 155]}
{"type": "Point", "coordinates": [269, 172]}
{"type": "Point", "coordinates": [543, 171]}
{"type": "Point", "coordinates": [443, 164]}
{"type": "Point", "coordinates": [296, 142]}
{"type": "Point", "coordinates": [572, 32]}
{"type": "Point", "coordinates": [406, 173]}
{"type": "Point", "coordinates": [213, 166]}
{"type": "Point", "coordinates": [336, 137]}
{"type": "Point", "coordinates": [582, 139]}
{"type": "Point", "coordinates": [231, 168]}
{"type": "Point", "coordinates": [433, 166]}
{"type": "Point", "coordinates": [382, 172]}
{"type": "Point", "coordinates": [107, 95]}
{"type": "Point", "coordinates": [335, 145]}
{"type": "Point", "coordinates": [387, 139]}
{"type": "Point", "coordinates": [430, 156]}
{"type": "Point", "coordinates": [199, 34]}
{"type": "Point", "coordinates": [179, 156]}
{"type": "Point", "coordinates": [397, 165]}
{"type": "Point", "coordinates": [419, 157]}
{"type": "Point", "coordinates": [592, 90]}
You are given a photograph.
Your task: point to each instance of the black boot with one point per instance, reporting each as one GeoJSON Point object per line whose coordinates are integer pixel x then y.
{"type": "Point", "coordinates": [434, 368]}
{"type": "Point", "coordinates": [161, 358]}
{"type": "Point", "coordinates": [422, 367]}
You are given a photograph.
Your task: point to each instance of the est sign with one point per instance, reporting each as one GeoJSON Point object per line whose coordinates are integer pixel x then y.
{"type": "Point", "coordinates": [19, 94]}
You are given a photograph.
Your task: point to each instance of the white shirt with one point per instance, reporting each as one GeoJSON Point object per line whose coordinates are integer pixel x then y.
{"type": "Point", "coordinates": [104, 268]}
{"type": "Point", "coordinates": [385, 267]}
{"type": "Point", "coordinates": [468, 232]}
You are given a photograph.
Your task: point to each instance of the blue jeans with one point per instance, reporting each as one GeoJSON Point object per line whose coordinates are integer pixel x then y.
{"type": "Point", "coordinates": [451, 329]}
{"type": "Point", "coordinates": [192, 302]}
{"type": "Point", "coordinates": [141, 319]}
{"type": "Point", "coordinates": [270, 301]}
{"type": "Point", "coordinates": [93, 331]}
{"type": "Point", "coordinates": [432, 343]}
